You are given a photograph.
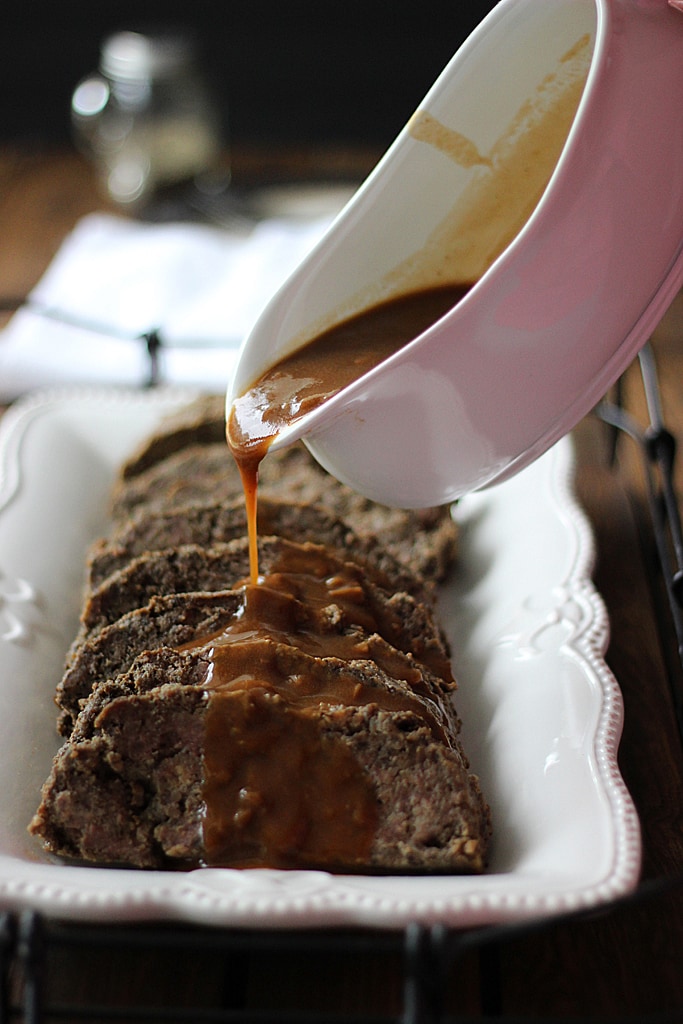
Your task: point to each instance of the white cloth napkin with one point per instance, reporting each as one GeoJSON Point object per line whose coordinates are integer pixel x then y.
{"type": "Point", "coordinates": [200, 287]}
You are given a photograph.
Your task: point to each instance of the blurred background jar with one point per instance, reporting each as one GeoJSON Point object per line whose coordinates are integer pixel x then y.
{"type": "Point", "coordinates": [147, 118]}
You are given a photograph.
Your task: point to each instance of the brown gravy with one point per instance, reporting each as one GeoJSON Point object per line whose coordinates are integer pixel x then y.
{"type": "Point", "coordinates": [279, 793]}
{"type": "Point", "coordinates": [280, 790]}
{"type": "Point", "coordinates": [308, 377]}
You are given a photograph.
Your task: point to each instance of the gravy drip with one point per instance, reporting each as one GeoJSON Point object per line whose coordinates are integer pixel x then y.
{"type": "Point", "coordinates": [314, 373]}
{"type": "Point", "coordinates": [280, 789]}
{"type": "Point", "coordinates": [279, 792]}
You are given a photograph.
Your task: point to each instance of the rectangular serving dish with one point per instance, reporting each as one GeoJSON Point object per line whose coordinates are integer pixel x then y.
{"type": "Point", "coordinates": [542, 713]}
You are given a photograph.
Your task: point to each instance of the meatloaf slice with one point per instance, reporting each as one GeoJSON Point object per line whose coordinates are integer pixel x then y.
{"type": "Point", "coordinates": [372, 672]}
{"type": "Point", "coordinates": [200, 475]}
{"type": "Point", "coordinates": [199, 422]}
{"type": "Point", "coordinates": [191, 567]}
{"type": "Point", "coordinates": [195, 474]}
{"type": "Point", "coordinates": [164, 621]}
{"type": "Point", "coordinates": [177, 619]}
{"type": "Point", "coordinates": [141, 783]}
{"type": "Point", "coordinates": [218, 523]}
{"type": "Point", "coordinates": [132, 794]}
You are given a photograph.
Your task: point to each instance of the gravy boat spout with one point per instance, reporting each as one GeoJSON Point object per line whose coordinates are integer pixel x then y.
{"type": "Point", "coordinates": [544, 168]}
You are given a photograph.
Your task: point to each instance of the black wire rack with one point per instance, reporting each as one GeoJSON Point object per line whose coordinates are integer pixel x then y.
{"type": "Point", "coordinates": [423, 958]}
{"type": "Point", "coordinates": [658, 449]}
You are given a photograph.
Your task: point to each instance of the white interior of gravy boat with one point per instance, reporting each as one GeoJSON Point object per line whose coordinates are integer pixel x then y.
{"type": "Point", "coordinates": [583, 261]}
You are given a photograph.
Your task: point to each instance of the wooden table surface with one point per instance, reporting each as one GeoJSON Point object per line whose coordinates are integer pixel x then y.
{"type": "Point", "coordinates": [621, 962]}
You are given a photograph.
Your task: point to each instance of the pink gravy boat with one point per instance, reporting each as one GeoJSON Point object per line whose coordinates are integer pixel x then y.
{"type": "Point", "coordinates": [546, 165]}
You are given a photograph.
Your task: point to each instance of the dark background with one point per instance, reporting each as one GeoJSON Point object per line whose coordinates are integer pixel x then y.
{"type": "Point", "coordinates": [286, 70]}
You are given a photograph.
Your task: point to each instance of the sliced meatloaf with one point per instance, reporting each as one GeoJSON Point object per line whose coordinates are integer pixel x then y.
{"type": "Point", "coordinates": [195, 476]}
{"type": "Point", "coordinates": [197, 423]}
{"type": "Point", "coordinates": [305, 720]}
{"type": "Point", "coordinates": [219, 523]}
{"type": "Point", "coordinates": [194, 567]}
{"type": "Point", "coordinates": [170, 621]}
{"type": "Point", "coordinates": [177, 619]}
{"type": "Point", "coordinates": [136, 783]}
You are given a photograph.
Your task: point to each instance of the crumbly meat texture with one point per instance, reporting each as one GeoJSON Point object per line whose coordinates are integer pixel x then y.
{"type": "Point", "coordinates": [425, 539]}
{"type": "Point", "coordinates": [169, 621]}
{"type": "Point", "coordinates": [131, 794]}
{"type": "Point", "coordinates": [220, 523]}
{"type": "Point", "coordinates": [381, 671]}
{"type": "Point", "coordinates": [195, 567]}
{"type": "Point", "coordinates": [201, 422]}
{"type": "Point", "coordinates": [127, 786]}
{"type": "Point", "coordinates": [177, 619]}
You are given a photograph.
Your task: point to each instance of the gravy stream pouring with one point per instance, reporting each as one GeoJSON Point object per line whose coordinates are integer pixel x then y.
{"type": "Point", "coordinates": [313, 374]}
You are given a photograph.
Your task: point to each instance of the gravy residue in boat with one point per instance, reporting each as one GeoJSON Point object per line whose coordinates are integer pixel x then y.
{"type": "Point", "coordinates": [506, 179]}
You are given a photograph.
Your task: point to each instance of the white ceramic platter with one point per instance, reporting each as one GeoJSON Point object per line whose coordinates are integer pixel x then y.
{"type": "Point", "coordinates": [542, 712]}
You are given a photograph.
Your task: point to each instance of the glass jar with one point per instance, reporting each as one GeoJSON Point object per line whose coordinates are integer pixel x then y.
{"type": "Point", "coordinates": [146, 117]}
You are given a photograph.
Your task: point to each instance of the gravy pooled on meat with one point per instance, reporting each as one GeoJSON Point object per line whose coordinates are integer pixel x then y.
{"type": "Point", "coordinates": [276, 791]}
